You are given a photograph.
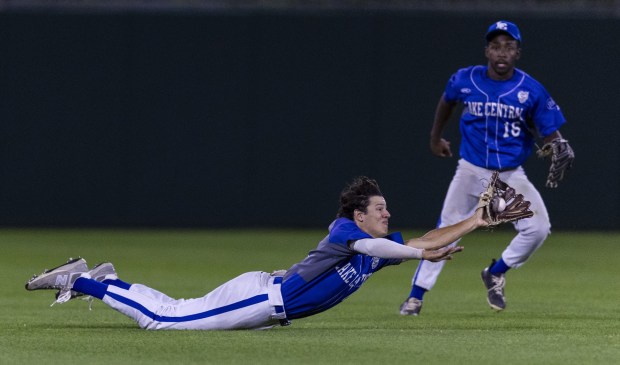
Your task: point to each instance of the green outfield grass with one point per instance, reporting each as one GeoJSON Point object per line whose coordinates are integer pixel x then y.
{"type": "Point", "coordinates": [563, 305]}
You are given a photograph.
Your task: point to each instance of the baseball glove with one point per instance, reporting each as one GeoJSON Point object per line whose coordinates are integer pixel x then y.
{"type": "Point", "coordinates": [562, 157]}
{"type": "Point", "coordinates": [502, 204]}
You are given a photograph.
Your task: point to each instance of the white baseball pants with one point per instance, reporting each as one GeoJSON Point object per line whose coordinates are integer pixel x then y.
{"type": "Point", "coordinates": [250, 301]}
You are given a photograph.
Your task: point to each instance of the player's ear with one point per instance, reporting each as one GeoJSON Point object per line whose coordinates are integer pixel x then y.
{"type": "Point", "coordinates": [518, 55]}
{"type": "Point", "coordinates": [358, 215]}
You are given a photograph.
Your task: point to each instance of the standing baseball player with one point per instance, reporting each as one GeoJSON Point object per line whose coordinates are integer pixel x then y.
{"type": "Point", "coordinates": [504, 111]}
{"type": "Point", "coordinates": [357, 246]}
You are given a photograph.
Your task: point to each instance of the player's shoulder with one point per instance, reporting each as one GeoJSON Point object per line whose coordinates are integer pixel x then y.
{"type": "Point", "coordinates": [343, 230]}
{"type": "Point", "coordinates": [527, 78]}
{"type": "Point", "coordinates": [530, 83]}
{"type": "Point", "coordinates": [464, 75]}
{"type": "Point", "coordinates": [467, 71]}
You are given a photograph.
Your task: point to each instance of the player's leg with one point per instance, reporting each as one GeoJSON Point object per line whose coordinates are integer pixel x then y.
{"type": "Point", "coordinates": [240, 303]}
{"type": "Point", "coordinates": [460, 201]}
{"type": "Point", "coordinates": [153, 294]}
{"type": "Point", "coordinates": [105, 273]}
{"type": "Point", "coordinates": [532, 232]}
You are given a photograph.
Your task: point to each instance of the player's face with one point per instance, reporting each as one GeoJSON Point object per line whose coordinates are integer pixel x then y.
{"type": "Point", "coordinates": [375, 220]}
{"type": "Point", "coordinates": [502, 53]}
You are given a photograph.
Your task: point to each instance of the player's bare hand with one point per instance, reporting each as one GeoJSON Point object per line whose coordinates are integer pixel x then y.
{"type": "Point", "coordinates": [441, 148]}
{"type": "Point", "coordinates": [444, 253]}
{"type": "Point", "coordinates": [479, 216]}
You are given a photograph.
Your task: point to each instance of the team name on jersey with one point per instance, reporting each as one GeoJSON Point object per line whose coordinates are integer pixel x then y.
{"type": "Point", "coordinates": [350, 276]}
{"type": "Point", "coordinates": [491, 109]}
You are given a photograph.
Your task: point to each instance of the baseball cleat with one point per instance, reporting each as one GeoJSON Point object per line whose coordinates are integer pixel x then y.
{"type": "Point", "coordinates": [411, 307]}
{"type": "Point", "coordinates": [99, 272]}
{"type": "Point", "coordinates": [495, 288]}
{"type": "Point", "coordinates": [103, 271]}
{"type": "Point", "coordinates": [61, 277]}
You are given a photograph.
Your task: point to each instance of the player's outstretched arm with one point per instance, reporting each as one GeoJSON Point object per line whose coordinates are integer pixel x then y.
{"type": "Point", "coordinates": [386, 249]}
{"type": "Point", "coordinates": [441, 254]}
{"type": "Point", "coordinates": [441, 237]}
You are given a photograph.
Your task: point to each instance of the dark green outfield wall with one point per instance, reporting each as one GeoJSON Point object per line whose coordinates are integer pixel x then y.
{"type": "Point", "coordinates": [258, 119]}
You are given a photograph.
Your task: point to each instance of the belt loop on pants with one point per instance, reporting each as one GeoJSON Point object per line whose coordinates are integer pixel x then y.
{"type": "Point", "coordinates": [280, 313]}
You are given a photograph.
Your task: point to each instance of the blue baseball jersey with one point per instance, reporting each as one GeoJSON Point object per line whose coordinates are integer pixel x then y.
{"type": "Point", "coordinates": [331, 272]}
{"type": "Point", "coordinates": [500, 117]}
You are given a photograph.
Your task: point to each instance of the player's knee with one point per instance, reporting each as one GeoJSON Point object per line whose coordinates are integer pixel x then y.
{"type": "Point", "coordinates": [542, 233]}
{"type": "Point", "coordinates": [537, 229]}
{"type": "Point", "coordinates": [539, 232]}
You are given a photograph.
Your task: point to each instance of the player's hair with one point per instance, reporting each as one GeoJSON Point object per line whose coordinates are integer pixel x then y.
{"type": "Point", "coordinates": [356, 196]}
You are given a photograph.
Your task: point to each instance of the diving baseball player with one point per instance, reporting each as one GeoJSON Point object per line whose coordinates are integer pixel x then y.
{"type": "Point", "coordinates": [357, 246]}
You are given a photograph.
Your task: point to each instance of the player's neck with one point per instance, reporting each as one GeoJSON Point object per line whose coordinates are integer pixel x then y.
{"type": "Point", "coordinates": [491, 74]}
